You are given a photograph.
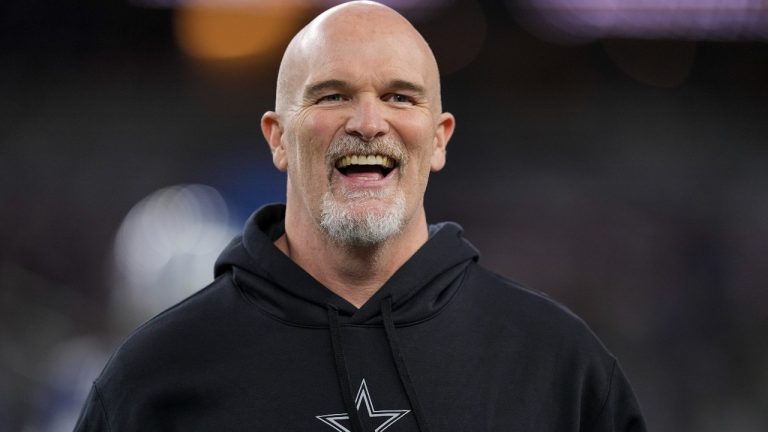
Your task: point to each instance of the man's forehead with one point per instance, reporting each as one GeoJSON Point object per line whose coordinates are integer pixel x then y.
{"type": "Point", "coordinates": [372, 64]}
{"type": "Point", "coordinates": [359, 37]}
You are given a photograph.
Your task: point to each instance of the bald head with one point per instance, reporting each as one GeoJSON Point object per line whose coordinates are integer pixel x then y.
{"type": "Point", "coordinates": [362, 30]}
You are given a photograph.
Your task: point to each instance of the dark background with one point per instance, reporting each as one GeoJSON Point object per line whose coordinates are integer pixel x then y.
{"type": "Point", "coordinates": [624, 177]}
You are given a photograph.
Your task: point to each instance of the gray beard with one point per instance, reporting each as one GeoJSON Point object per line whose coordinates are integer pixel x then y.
{"type": "Point", "coordinates": [362, 230]}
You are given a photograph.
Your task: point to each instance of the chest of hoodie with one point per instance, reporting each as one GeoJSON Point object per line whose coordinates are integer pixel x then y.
{"type": "Point", "coordinates": [246, 368]}
{"type": "Point", "coordinates": [461, 378]}
{"type": "Point", "coordinates": [289, 380]}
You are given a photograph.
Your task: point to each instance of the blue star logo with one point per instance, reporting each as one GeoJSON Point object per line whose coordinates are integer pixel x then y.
{"type": "Point", "coordinates": [389, 417]}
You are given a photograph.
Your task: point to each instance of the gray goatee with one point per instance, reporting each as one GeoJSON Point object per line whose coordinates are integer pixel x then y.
{"type": "Point", "coordinates": [341, 218]}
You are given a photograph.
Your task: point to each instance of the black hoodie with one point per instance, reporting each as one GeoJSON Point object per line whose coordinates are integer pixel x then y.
{"type": "Point", "coordinates": [444, 345]}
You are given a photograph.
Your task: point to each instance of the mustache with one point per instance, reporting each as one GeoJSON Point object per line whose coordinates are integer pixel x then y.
{"type": "Point", "coordinates": [350, 145]}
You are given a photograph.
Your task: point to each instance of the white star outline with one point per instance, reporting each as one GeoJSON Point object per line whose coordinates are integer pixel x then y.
{"type": "Point", "coordinates": [364, 396]}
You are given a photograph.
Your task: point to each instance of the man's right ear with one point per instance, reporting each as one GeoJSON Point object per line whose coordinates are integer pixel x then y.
{"type": "Point", "coordinates": [273, 133]}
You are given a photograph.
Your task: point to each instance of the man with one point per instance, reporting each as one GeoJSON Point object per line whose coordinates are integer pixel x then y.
{"type": "Point", "coordinates": [343, 310]}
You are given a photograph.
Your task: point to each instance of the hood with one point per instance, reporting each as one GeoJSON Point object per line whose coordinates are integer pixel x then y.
{"type": "Point", "coordinates": [419, 289]}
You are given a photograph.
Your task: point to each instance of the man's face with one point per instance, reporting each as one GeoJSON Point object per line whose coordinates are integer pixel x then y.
{"type": "Point", "coordinates": [362, 129]}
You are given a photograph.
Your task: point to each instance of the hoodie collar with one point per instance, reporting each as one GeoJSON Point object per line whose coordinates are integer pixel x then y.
{"type": "Point", "coordinates": [420, 288]}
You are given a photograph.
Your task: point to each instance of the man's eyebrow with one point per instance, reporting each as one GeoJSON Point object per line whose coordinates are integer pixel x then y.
{"type": "Point", "coordinates": [314, 89]}
{"type": "Point", "coordinates": [406, 85]}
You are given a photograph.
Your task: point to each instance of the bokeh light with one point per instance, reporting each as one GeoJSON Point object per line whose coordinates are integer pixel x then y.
{"type": "Point", "coordinates": [585, 20]}
{"type": "Point", "coordinates": [254, 29]}
{"type": "Point", "coordinates": [166, 246]}
{"type": "Point", "coordinates": [235, 30]}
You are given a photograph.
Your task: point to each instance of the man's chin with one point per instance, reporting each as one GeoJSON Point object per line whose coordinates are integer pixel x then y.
{"type": "Point", "coordinates": [362, 221]}
{"type": "Point", "coordinates": [368, 208]}
{"type": "Point", "coordinates": [365, 202]}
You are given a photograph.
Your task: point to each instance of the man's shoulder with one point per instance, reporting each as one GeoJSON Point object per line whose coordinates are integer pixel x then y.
{"type": "Point", "coordinates": [172, 336]}
{"type": "Point", "coordinates": [509, 294]}
{"type": "Point", "coordinates": [189, 315]}
{"type": "Point", "coordinates": [526, 311]}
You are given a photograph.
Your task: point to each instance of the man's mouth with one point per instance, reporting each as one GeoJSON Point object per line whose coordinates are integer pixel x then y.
{"type": "Point", "coordinates": [373, 166]}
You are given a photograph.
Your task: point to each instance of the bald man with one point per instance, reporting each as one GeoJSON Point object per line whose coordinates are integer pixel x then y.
{"type": "Point", "coordinates": [343, 309]}
{"type": "Point", "coordinates": [358, 81]}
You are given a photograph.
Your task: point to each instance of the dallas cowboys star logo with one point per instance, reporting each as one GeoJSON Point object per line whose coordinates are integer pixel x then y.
{"type": "Point", "coordinates": [364, 397]}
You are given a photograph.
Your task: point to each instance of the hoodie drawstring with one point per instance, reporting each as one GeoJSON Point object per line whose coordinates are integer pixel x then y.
{"type": "Point", "coordinates": [402, 371]}
{"type": "Point", "coordinates": [342, 373]}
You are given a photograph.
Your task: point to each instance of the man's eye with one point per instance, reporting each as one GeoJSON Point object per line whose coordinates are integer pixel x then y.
{"type": "Point", "coordinates": [398, 98]}
{"type": "Point", "coordinates": [331, 98]}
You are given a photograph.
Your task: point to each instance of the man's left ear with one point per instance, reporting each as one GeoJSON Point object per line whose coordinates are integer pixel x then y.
{"type": "Point", "coordinates": [445, 125]}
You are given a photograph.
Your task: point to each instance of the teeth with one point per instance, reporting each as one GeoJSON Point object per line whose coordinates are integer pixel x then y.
{"type": "Point", "coordinates": [365, 160]}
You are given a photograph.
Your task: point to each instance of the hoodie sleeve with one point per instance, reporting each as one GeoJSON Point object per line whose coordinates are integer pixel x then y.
{"type": "Point", "coordinates": [93, 417]}
{"type": "Point", "coordinates": [620, 411]}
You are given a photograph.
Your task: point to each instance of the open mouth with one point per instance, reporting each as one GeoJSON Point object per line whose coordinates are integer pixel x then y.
{"type": "Point", "coordinates": [377, 165]}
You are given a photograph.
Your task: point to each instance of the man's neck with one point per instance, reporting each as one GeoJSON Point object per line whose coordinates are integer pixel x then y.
{"type": "Point", "coordinates": [355, 274]}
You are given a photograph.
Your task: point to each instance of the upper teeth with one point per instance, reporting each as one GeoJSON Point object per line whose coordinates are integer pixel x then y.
{"type": "Point", "coordinates": [365, 160]}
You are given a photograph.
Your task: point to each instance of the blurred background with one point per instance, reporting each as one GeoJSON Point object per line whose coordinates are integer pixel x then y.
{"type": "Point", "coordinates": [609, 153]}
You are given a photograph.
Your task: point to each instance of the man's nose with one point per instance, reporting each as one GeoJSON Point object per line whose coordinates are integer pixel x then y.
{"type": "Point", "coordinates": [368, 121]}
